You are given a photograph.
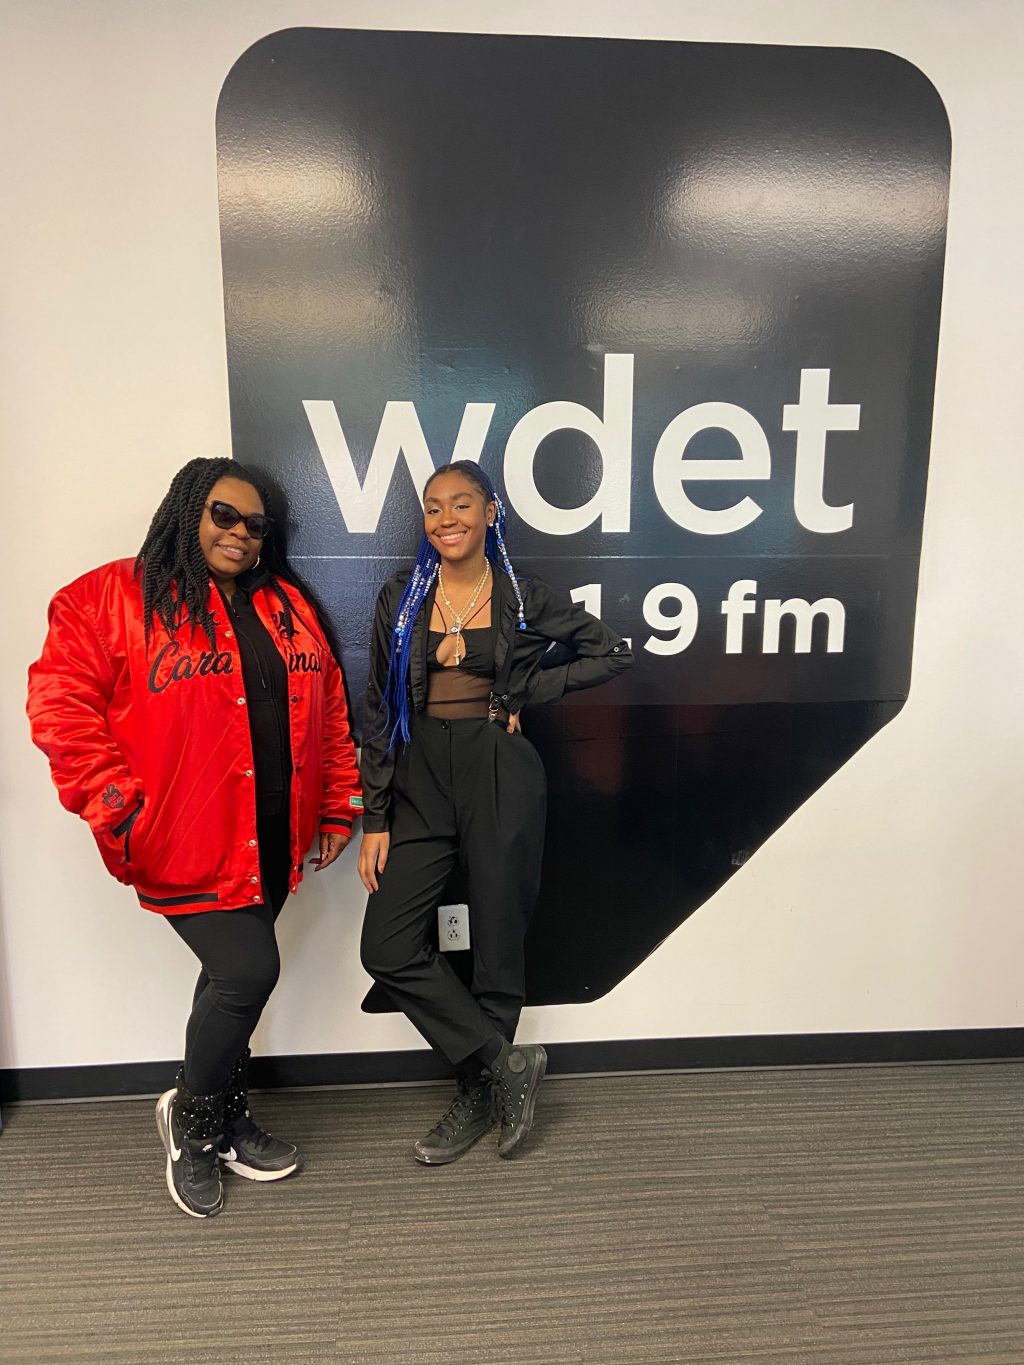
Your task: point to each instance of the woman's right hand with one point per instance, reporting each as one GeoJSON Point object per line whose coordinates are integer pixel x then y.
{"type": "Point", "coordinates": [373, 858]}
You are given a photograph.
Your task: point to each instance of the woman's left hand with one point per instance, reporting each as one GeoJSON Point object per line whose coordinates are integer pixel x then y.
{"type": "Point", "coordinates": [332, 846]}
{"type": "Point", "coordinates": [513, 726]}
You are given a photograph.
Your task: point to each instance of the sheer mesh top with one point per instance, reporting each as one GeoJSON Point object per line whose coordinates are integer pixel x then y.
{"type": "Point", "coordinates": [460, 693]}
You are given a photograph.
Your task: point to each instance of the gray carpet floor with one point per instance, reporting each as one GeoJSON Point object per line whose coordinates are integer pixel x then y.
{"type": "Point", "coordinates": [833, 1217]}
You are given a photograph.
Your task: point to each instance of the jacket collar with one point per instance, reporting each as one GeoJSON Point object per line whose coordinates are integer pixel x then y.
{"type": "Point", "coordinates": [503, 618]}
{"type": "Point", "coordinates": [419, 644]}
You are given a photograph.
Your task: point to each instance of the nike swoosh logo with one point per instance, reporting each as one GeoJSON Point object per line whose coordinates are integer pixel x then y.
{"type": "Point", "coordinates": [229, 1155]}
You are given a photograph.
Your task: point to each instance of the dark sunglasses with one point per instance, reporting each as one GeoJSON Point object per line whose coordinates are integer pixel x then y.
{"type": "Point", "coordinates": [225, 516]}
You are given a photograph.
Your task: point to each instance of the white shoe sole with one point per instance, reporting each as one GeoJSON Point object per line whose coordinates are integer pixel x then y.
{"type": "Point", "coordinates": [163, 1127]}
{"type": "Point", "coordinates": [249, 1173]}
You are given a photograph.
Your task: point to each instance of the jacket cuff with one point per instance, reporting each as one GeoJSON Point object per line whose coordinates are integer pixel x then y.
{"type": "Point", "coordinates": [335, 824]}
{"type": "Point", "coordinates": [548, 685]}
{"type": "Point", "coordinates": [375, 824]}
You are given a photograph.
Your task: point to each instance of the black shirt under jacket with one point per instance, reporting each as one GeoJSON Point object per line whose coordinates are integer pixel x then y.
{"type": "Point", "coordinates": [265, 678]}
{"type": "Point", "coordinates": [595, 654]}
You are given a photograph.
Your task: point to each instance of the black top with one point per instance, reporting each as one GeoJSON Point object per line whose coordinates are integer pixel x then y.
{"type": "Point", "coordinates": [479, 651]}
{"type": "Point", "coordinates": [265, 676]}
{"type": "Point", "coordinates": [525, 672]}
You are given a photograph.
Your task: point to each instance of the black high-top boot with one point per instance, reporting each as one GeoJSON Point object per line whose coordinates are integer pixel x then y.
{"type": "Point", "coordinates": [191, 1127]}
{"type": "Point", "coordinates": [469, 1116]}
{"type": "Point", "coordinates": [245, 1148]}
{"type": "Point", "coordinates": [517, 1072]}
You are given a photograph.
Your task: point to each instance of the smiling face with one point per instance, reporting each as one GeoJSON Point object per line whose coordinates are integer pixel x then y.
{"type": "Point", "coordinates": [455, 518]}
{"type": "Point", "coordinates": [229, 553]}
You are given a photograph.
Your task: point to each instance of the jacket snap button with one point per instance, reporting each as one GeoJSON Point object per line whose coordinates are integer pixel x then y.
{"type": "Point", "coordinates": [230, 634]}
{"type": "Point", "coordinates": [254, 879]}
{"type": "Point", "coordinates": [256, 900]}
{"type": "Point", "coordinates": [241, 701]}
{"type": "Point", "coordinates": [252, 843]}
{"type": "Point", "coordinates": [294, 699]}
{"type": "Point", "coordinates": [248, 772]}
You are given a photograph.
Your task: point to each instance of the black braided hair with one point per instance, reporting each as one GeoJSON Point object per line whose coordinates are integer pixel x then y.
{"type": "Point", "coordinates": [174, 575]}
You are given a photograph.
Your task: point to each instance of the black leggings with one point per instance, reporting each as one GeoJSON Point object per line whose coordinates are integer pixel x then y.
{"type": "Point", "coordinates": [240, 967]}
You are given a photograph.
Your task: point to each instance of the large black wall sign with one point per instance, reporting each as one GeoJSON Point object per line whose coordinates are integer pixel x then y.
{"type": "Point", "coordinates": [682, 302]}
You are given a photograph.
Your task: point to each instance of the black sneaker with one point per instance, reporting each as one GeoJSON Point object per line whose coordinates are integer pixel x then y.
{"type": "Point", "coordinates": [247, 1150]}
{"type": "Point", "coordinates": [517, 1072]}
{"type": "Point", "coordinates": [193, 1177]}
{"type": "Point", "coordinates": [469, 1116]}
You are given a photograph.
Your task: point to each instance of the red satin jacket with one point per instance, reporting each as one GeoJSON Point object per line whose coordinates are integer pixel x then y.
{"type": "Point", "coordinates": [151, 745]}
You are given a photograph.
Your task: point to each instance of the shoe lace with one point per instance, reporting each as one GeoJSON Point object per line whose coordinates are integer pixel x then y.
{"type": "Point", "coordinates": [505, 1100]}
{"type": "Point", "coordinates": [200, 1160]}
{"type": "Point", "coordinates": [458, 1112]}
{"type": "Point", "coordinates": [245, 1127]}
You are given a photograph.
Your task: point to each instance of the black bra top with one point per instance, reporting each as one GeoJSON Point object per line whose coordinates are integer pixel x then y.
{"type": "Point", "coordinates": [479, 656]}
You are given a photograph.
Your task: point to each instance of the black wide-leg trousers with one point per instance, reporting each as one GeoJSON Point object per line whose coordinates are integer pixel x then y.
{"type": "Point", "coordinates": [464, 792]}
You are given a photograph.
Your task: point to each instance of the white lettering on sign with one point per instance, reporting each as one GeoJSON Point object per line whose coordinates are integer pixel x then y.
{"type": "Point", "coordinates": [400, 435]}
{"type": "Point", "coordinates": [812, 418]}
{"type": "Point", "coordinates": [682, 622]}
{"type": "Point", "coordinates": [804, 612]}
{"type": "Point", "coordinates": [672, 470]}
{"type": "Point", "coordinates": [673, 609]}
{"type": "Point", "coordinates": [741, 602]}
{"type": "Point", "coordinates": [736, 606]}
{"type": "Point", "coordinates": [612, 434]}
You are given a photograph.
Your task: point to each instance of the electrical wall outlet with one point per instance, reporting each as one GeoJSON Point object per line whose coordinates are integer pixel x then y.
{"type": "Point", "coordinates": [453, 927]}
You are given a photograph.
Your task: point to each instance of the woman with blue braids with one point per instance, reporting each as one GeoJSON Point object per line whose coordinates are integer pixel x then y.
{"type": "Point", "coordinates": [449, 779]}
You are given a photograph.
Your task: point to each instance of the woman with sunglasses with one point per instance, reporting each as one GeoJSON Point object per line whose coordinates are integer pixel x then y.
{"type": "Point", "coordinates": [457, 651]}
{"type": "Point", "coordinates": [194, 715]}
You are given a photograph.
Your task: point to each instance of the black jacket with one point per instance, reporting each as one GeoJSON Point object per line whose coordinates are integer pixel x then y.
{"type": "Point", "coordinates": [594, 654]}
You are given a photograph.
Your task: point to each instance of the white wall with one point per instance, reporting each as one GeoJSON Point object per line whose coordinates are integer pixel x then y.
{"type": "Point", "coordinates": [890, 901]}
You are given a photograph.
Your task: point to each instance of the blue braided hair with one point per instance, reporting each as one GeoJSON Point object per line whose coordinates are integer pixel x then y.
{"type": "Point", "coordinates": [395, 703]}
